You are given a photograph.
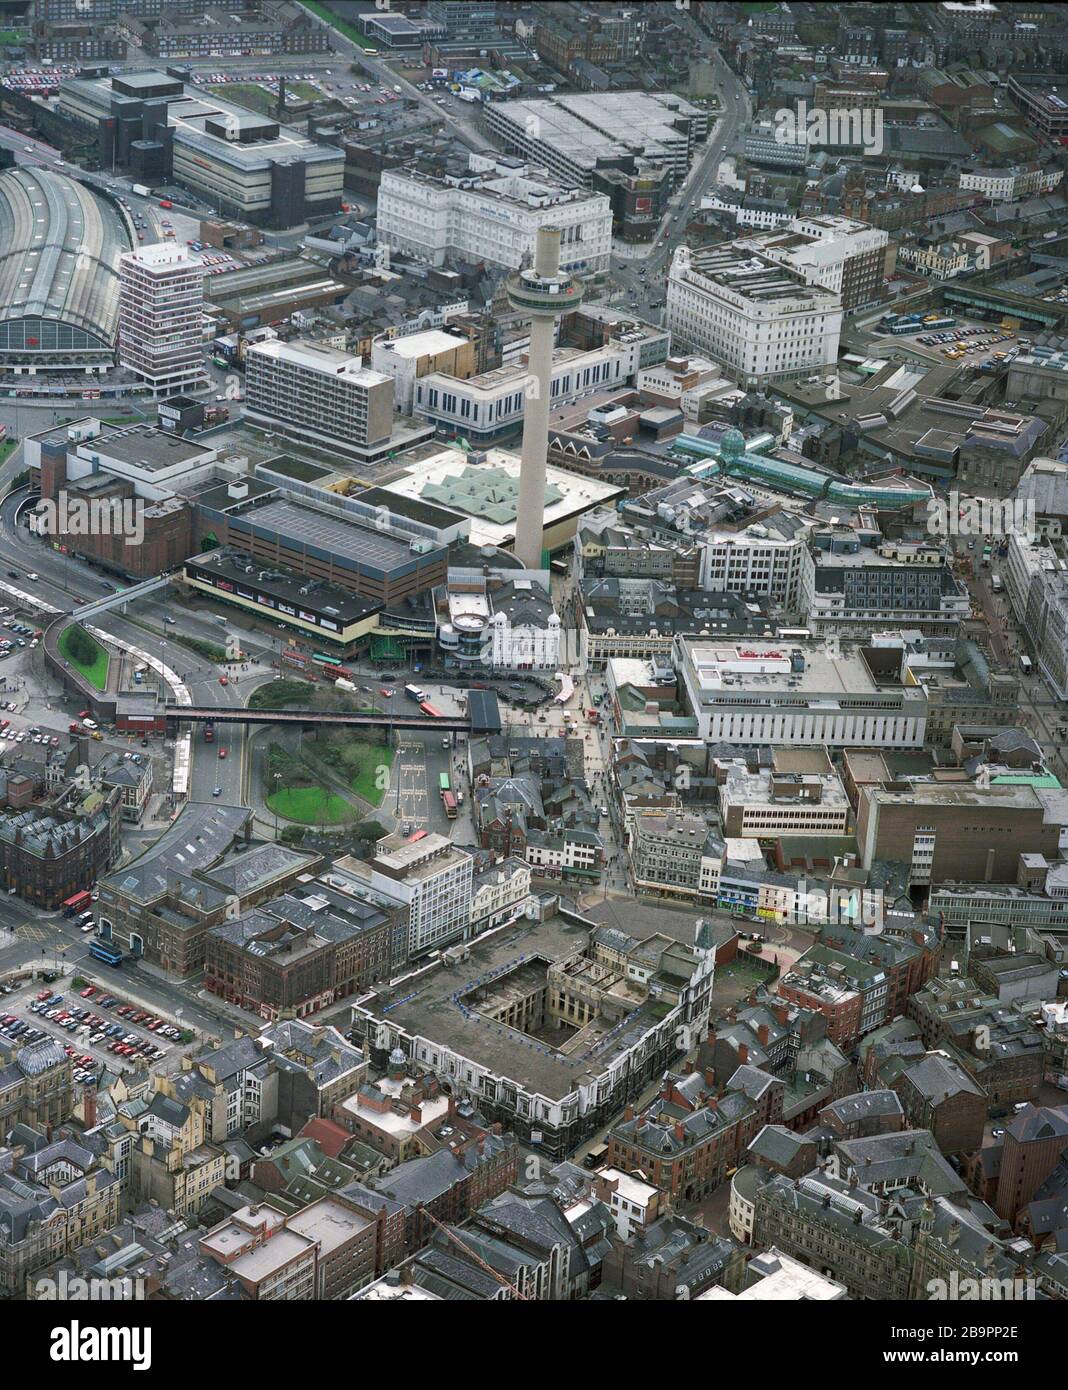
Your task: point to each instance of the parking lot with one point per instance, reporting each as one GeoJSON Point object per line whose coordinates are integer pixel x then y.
{"type": "Point", "coordinates": [970, 342]}
{"type": "Point", "coordinates": [975, 345]}
{"type": "Point", "coordinates": [95, 1029]}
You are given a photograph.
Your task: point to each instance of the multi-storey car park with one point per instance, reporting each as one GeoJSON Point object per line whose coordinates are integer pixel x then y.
{"type": "Point", "coordinates": [574, 134]}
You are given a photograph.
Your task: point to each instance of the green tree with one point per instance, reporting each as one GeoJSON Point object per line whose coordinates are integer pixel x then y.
{"type": "Point", "coordinates": [81, 646]}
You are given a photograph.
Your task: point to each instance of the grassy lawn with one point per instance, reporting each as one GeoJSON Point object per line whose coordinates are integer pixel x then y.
{"type": "Point", "coordinates": [310, 806]}
{"type": "Point", "coordinates": [96, 672]}
{"type": "Point", "coordinates": [359, 763]}
{"type": "Point", "coordinates": [7, 447]}
{"type": "Point", "coordinates": [305, 91]}
{"type": "Point", "coordinates": [365, 766]}
{"type": "Point", "coordinates": [336, 22]}
{"type": "Point", "coordinates": [364, 782]}
{"type": "Point", "coordinates": [249, 94]}
{"type": "Point", "coordinates": [278, 694]}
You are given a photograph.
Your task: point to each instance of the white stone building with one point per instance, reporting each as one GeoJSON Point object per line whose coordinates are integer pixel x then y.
{"type": "Point", "coordinates": [493, 215]}
{"type": "Point", "coordinates": [796, 692]}
{"type": "Point", "coordinates": [760, 319]}
{"type": "Point", "coordinates": [500, 893]}
{"type": "Point", "coordinates": [430, 878]}
{"type": "Point", "coordinates": [161, 312]}
{"type": "Point", "coordinates": [1018, 181]}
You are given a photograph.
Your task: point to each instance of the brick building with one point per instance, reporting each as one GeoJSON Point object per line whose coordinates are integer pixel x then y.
{"type": "Point", "coordinates": [957, 834]}
{"type": "Point", "coordinates": [851, 994]}
{"type": "Point", "coordinates": [938, 1094]}
{"type": "Point", "coordinates": [269, 966]}
{"type": "Point", "coordinates": [1035, 1143]}
{"type": "Point", "coordinates": [449, 1185]}
{"type": "Point", "coordinates": [864, 1114]}
{"type": "Point", "coordinates": [346, 1240]}
{"type": "Point", "coordinates": [48, 855]}
{"type": "Point", "coordinates": [269, 1262]}
{"type": "Point", "coordinates": [689, 1138]}
{"type": "Point", "coordinates": [908, 958]}
{"type": "Point", "coordinates": [997, 1046]}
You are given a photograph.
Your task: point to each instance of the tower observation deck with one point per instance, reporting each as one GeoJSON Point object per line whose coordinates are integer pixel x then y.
{"type": "Point", "coordinates": [545, 293]}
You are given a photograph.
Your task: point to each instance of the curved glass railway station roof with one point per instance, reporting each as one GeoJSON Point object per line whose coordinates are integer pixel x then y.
{"type": "Point", "coordinates": [60, 245]}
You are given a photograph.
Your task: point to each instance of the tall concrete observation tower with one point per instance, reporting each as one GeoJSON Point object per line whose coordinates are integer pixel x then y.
{"type": "Point", "coordinates": [545, 294]}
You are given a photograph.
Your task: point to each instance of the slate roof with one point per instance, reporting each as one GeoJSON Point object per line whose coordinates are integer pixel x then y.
{"type": "Point", "coordinates": [909, 1155]}
{"type": "Point", "coordinates": [778, 1145]}
{"type": "Point", "coordinates": [938, 1078]}
{"type": "Point", "coordinates": [865, 1105]}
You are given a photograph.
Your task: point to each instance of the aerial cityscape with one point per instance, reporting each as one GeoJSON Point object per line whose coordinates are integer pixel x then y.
{"type": "Point", "coordinates": [534, 657]}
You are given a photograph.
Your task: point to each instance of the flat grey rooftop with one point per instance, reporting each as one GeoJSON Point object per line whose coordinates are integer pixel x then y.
{"type": "Point", "coordinates": [427, 1007]}
{"type": "Point", "coordinates": [146, 447]}
{"type": "Point", "coordinates": [301, 526]}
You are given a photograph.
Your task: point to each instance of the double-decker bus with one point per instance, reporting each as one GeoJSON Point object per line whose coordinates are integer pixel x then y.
{"type": "Point", "coordinates": [429, 710]}
{"type": "Point", "coordinates": [449, 802]}
{"type": "Point", "coordinates": [443, 783]}
{"type": "Point", "coordinates": [106, 951]}
{"type": "Point", "coordinates": [329, 665]}
{"type": "Point", "coordinates": [77, 903]}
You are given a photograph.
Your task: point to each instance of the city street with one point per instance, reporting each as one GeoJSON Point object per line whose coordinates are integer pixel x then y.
{"type": "Point", "coordinates": [640, 270]}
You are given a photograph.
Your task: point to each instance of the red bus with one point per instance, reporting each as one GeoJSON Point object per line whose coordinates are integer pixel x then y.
{"type": "Point", "coordinates": [429, 709]}
{"type": "Point", "coordinates": [417, 835]}
{"type": "Point", "coordinates": [80, 902]}
{"type": "Point", "coordinates": [448, 800]}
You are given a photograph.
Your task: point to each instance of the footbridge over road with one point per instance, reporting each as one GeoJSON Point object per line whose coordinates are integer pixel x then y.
{"type": "Point", "coordinates": [482, 717]}
{"type": "Point", "coordinates": [96, 606]}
